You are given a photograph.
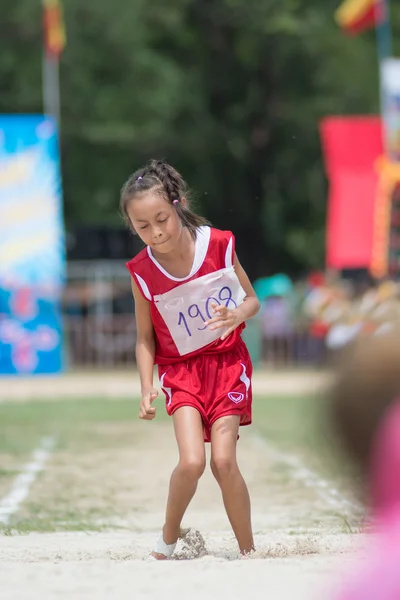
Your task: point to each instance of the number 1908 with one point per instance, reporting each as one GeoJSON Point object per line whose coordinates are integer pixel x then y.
{"type": "Point", "coordinates": [194, 312]}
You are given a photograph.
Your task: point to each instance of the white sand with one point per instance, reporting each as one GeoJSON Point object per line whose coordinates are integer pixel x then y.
{"type": "Point", "coordinates": [101, 567]}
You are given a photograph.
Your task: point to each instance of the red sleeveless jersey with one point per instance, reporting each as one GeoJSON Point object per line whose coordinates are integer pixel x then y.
{"type": "Point", "coordinates": [214, 251]}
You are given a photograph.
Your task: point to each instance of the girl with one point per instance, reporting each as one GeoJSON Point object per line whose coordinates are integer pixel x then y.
{"type": "Point", "coordinates": [192, 298]}
{"type": "Point", "coordinates": [364, 409]}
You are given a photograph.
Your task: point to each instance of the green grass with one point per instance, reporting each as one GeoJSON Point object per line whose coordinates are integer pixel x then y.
{"type": "Point", "coordinates": [34, 525]}
{"type": "Point", "coordinates": [300, 426]}
{"type": "Point", "coordinates": [22, 425]}
{"type": "Point", "coordinates": [9, 472]}
{"type": "Point", "coordinates": [292, 424]}
{"type": "Point", "coordinates": [288, 421]}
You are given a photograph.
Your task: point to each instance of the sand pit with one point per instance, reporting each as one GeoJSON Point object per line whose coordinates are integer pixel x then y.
{"type": "Point", "coordinates": [105, 566]}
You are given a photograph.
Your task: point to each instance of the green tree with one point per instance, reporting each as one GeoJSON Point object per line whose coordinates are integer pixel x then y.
{"type": "Point", "coordinates": [229, 91]}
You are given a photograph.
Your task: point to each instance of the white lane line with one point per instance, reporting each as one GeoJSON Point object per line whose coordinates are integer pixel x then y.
{"type": "Point", "coordinates": [10, 504]}
{"type": "Point", "coordinates": [326, 491]}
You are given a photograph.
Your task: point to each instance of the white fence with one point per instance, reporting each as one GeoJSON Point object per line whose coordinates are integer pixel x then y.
{"type": "Point", "coordinates": [99, 321]}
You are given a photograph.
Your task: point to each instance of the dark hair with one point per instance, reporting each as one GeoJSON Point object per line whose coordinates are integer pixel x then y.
{"type": "Point", "coordinates": [160, 176]}
{"type": "Point", "coordinates": [366, 383]}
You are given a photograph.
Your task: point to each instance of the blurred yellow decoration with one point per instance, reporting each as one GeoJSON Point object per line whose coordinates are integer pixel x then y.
{"type": "Point", "coordinates": [387, 290]}
{"type": "Point", "coordinates": [389, 178]}
{"type": "Point", "coordinates": [54, 27]}
{"type": "Point", "coordinates": [356, 16]}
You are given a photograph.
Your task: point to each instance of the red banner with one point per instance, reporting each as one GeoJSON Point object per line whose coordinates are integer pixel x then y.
{"type": "Point", "coordinates": [352, 146]}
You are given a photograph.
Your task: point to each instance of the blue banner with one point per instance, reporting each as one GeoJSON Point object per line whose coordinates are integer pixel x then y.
{"type": "Point", "coordinates": [32, 246]}
{"type": "Point", "coordinates": [30, 332]}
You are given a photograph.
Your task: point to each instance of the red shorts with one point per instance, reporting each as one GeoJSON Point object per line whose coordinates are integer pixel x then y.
{"type": "Point", "coordinates": [216, 385]}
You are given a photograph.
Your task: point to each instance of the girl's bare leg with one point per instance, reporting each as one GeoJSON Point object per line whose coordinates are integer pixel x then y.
{"type": "Point", "coordinates": [233, 487]}
{"type": "Point", "coordinates": [184, 479]}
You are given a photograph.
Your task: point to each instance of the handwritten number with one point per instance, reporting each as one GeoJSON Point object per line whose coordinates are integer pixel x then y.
{"type": "Point", "coordinates": [183, 320]}
{"type": "Point", "coordinates": [209, 300]}
{"type": "Point", "coordinates": [227, 298]}
{"type": "Point", "coordinates": [197, 313]}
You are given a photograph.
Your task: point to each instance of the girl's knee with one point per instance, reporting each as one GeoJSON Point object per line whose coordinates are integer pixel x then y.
{"type": "Point", "coordinates": [223, 467]}
{"type": "Point", "coordinates": [192, 467]}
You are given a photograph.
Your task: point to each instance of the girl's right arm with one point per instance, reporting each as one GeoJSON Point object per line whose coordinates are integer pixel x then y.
{"type": "Point", "coordinates": [145, 348]}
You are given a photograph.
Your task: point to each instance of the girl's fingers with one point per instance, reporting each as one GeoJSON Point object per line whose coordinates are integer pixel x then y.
{"type": "Point", "coordinates": [225, 335]}
{"type": "Point", "coordinates": [218, 325]}
{"type": "Point", "coordinates": [223, 315]}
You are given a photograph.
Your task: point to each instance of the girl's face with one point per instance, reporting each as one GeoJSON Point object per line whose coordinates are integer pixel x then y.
{"type": "Point", "coordinates": [155, 220]}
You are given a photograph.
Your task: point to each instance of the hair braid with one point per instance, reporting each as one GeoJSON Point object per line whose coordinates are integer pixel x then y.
{"type": "Point", "coordinates": [171, 180]}
{"type": "Point", "coordinates": [159, 174]}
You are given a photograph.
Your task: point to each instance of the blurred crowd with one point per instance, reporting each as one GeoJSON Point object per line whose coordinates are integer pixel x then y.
{"type": "Point", "coordinates": [322, 313]}
{"type": "Point", "coordinates": [301, 322]}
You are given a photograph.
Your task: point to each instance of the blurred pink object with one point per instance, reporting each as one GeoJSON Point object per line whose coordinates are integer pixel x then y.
{"type": "Point", "coordinates": [379, 578]}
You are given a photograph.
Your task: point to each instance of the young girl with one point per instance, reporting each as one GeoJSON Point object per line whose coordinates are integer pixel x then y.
{"type": "Point", "coordinates": [192, 298]}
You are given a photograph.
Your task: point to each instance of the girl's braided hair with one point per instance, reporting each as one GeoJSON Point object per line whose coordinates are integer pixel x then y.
{"type": "Point", "coordinates": [162, 177]}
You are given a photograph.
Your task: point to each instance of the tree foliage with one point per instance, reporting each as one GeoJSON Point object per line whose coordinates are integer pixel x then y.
{"type": "Point", "coordinates": [229, 91]}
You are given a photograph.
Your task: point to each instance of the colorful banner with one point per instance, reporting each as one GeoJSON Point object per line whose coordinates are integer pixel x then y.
{"type": "Point", "coordinates": [352, 148]}
{"type": "Point", "coordinates": [382, 213]}
{"type": "Point", "coordinates": [31, 225]}
{"type": "Point", "coordinates": [32, 246]}
{"type": "Point", "coordinates": [30, 333]}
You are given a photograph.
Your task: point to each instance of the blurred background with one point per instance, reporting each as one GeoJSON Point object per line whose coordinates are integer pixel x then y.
{"type": "Point", "coordinates": [281, 116]}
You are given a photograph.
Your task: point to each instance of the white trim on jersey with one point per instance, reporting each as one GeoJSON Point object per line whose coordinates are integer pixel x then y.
{"type": "Point", "coordinates": [144, 287]}
{"type": "Point", "coordinates": [228, 254]}
{"type": "Point", "coordinates": [200, 253]}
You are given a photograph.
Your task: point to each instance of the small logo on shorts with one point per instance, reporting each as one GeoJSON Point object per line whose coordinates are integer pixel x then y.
{"type": "Point", "coordinates": [236, 397]}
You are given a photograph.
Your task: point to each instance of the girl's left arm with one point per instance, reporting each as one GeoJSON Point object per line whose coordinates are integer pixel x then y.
{"type": "Point", "coordinates": [231, 318]}
{"type": "Point", "coordinates": [251, 305]}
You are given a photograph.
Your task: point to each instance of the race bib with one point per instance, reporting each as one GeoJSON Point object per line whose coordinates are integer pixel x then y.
{"type": "Point", "coordinates": [186, 308]}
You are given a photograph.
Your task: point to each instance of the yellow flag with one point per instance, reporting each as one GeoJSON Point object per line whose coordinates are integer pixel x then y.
{"type": "Point", "coordinates": [356, 16]}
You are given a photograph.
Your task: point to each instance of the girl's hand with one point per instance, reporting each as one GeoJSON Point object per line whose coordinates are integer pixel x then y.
{"type": "Point", "coordinates": [148, 412]}
{"type": "Point", "coordinates": [225, 317]}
